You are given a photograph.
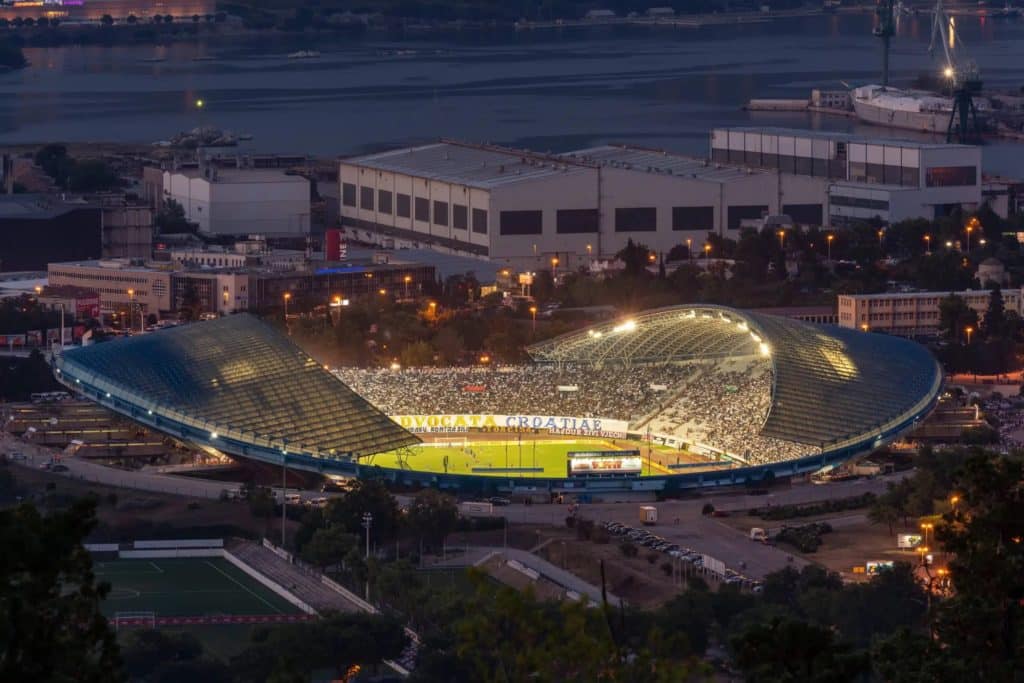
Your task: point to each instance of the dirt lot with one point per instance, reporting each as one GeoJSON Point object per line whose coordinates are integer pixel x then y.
{"type": "Point", "coordinates": [853, 540]}
{"type": "Point", "coordinates": [635, 580]}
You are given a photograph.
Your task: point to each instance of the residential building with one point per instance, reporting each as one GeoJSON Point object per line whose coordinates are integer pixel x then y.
{"type": "Point", "coordinates": [912, 314]}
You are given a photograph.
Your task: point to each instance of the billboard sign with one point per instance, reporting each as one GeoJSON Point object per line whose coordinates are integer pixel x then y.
{"type": "Point", "coordinates": [872, 568]}
{"type": "Point", "coordinates": [596, 463]}
{"type": "Point", "coordinates": [572, 426]}
{"type": "Point", "coordinates": [908, 541]}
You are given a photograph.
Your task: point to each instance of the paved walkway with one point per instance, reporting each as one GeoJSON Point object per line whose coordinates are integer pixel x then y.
{"type": "Point", "coordinates": [78, 468]}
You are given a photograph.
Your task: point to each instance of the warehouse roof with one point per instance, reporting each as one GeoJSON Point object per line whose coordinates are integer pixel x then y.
{"type": "Point", "coordinates": [481, 166]}
{"type": "Point", "coordinates": [844, 137]}
{"type": "Point", "coordinates": [662, 162]}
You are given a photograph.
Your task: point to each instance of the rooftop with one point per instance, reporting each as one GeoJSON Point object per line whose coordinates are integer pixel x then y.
{"type": "Point", "coordinates": [847, 137]}
{"type": "Point", "coordinates": [246, 175]}
{"type": "Point", "coordinates": [36, 206]}
{"type": "Point", "coordinates": [236, 380]}
{"type": "Point", "coordinates": [479, 166]}
{"type": "Point", "coordinates": [662, 162]}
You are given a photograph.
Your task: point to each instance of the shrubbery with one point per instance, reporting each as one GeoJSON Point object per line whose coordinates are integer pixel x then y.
{"type": "Point", "coordinates": [822, 508]}
{"type": "Point", "coordinates": [806, 538]}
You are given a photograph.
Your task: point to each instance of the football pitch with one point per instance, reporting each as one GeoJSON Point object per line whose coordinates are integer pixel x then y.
{"type": "Point", "coordinates": [202, 586]}
{"type": "Point", "coordinates": [526, 458]}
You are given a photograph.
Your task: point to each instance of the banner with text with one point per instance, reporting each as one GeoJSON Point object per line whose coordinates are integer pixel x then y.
{"type": "Point", "coordinates": [572, 426]}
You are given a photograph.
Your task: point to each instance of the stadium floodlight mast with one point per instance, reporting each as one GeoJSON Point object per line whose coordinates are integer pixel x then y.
{"type": "Point", "coordinates": [367, 523]}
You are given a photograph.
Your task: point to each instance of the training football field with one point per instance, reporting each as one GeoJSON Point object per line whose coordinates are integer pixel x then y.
{"type": "Point", "coordinates": [201, 586]}
{"type": "Point", "coordinates": [526, 458]}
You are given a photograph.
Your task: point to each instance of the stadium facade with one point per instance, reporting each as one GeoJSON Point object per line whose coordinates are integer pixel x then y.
{"type": "Point", "coordinates": [242, 388]}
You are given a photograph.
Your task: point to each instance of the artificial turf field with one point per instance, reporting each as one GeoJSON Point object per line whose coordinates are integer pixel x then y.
{"type": "Point", "coordinates": [201, 586]}
{"type": "Point", "coordinates": [545, 458]}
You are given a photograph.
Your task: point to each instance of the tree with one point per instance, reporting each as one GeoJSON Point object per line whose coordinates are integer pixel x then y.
{"type": "Point", "coordinates": [261, 504]}
{"type": "Point", "coordinates": [365, 496]}
{"type": "Point", "coordinates": [432, 516]}
{"type": "Point", "coordinates": [132, 19]}
{"type": "Point", "coordinates": [147, 650]}
{"type": "Point", "coordinates": [52, 627]}
{"type": "Point", "coordinates": [417, 354]}
{"type": "Point", "coordinates": [449, 345]}
{"type": "Point", "coordinates": [955, 316]}
{"type": "Point", "coordinates": [982, 624]}
{"type": "Point", "coordinates": [792, 650]}
{"type": "Point", "coordinates": [634, 256]}
{"type": "Point", "coordinates": [338, 642]}
{"type": "Point", "coordinates": [107, 20]}
{"type": "Point", "coordinates": [883, 512]}
{"type": "Point", "coordinates": [11, 56]}
{"type": "Point", "coordinates": [171, 218]}
{"type": "Point", "coordinates": [328, 546]}
{"type": "Point", "coordinates": [994, 321]}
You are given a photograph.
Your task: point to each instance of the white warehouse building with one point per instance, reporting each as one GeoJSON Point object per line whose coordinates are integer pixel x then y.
{"type": "Point", "coordinates": [893, 180]}
{"type": "Point", "coordinates": [241, 201]}
{"type": "Point", "coordinates": [524, 209]}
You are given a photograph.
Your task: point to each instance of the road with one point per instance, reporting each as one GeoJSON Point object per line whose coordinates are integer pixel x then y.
{"type": "Point", "coordinates": [680, 521]}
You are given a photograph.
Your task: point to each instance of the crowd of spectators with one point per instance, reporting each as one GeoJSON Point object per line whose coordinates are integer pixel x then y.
{"type": "Point", "coordinates": [613, 392]}
{"type": "Point", "coordinates": [720, 404]}
{"type": "Point", "coordinates": [723, 406]}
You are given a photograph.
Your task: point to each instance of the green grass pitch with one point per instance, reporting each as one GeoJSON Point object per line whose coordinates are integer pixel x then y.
{"type": "Point", "coordinates": [199, 586]}
{"type": "Point", "coordinates": [551, 457]}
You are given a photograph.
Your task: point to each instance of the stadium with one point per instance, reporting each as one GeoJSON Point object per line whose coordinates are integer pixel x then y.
{"type": "Point", "coordinates": [672, 399]}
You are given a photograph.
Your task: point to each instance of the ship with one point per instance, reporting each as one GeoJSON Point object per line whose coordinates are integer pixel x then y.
{"type": "Point", "coordinates": [918, 110]}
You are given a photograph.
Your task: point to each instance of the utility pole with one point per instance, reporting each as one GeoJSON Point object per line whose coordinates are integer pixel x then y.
{"type": "Point", "coordinates": [284, 495]}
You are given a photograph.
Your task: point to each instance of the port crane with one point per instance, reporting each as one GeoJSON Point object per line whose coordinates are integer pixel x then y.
{"type": "Point", "coordinates": [962, 74]}
{"type": "Point", "coordinates": [885, 30]}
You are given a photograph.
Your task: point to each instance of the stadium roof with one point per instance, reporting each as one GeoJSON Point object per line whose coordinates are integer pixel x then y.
{"type": "Point", "coordinates": [238, 378]}
{"type": "Point", "coordinates": [479, 166]}
{"type": "Point", "coordinates": [830, 384]}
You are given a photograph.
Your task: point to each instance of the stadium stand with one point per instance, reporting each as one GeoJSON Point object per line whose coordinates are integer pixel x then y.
{"type": "Point", "coordinates": [236, 378]}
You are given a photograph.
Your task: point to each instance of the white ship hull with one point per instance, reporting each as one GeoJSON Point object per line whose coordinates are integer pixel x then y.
{"type": "Point", "coordinates": [928, 122]}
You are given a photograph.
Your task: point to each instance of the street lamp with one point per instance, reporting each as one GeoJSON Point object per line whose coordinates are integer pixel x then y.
{"type": "Point", "coordinates": [407, 279]}
{"type": "Point", "coordinates": [953, 500]}
{"type": "Point", "coordinates": [828, 240]}
{"type": "Point", "coordinates": [925, 528]}
{"type": "Point", "coordinates": [131, 303]}
{"type": "Point", "coordinates": [863, 327]}
{"type": "Point", "coordinates": [968, 330]}
{"type": "Point", "coordinates": [707, 251]}
{"type": "Point", "coordinates": [928, 244]}
{"type": "Point", "coordinates": [881, 236]}
{"type": "Point", "coordinates": [782, 239]}
{"type": "Point", "coordinates": [689, 249]}
{"type": "Point", "coordinates": [590, 250]}
{"type": "Point", "coordinates": [367, 523]}
{"type": "Point", "coordinates": [652, 257]}
{"type": "Point", "coordinates": [287, 297]}
{"type": "Point", "coordinates": [533, 314]}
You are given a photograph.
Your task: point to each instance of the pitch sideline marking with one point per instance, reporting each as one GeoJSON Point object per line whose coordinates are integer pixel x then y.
{"type": "Point", "coordinates": [242, 586]}
{"type": "Point", "coordinates": [155, 566]}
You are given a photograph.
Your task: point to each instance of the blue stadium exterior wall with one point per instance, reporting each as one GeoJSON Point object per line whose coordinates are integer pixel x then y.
{"type": "Point", "coordinates": [750, 475]}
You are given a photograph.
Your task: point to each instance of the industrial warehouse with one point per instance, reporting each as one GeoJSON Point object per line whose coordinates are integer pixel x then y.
{"type": "Point", "coordinates": [524, 209]}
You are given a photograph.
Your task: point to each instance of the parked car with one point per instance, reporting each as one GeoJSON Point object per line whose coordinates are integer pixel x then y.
{"type": "Point", "coordinates": [499, 501]}
{"type": "Point", "coordinates": [59, 468]}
